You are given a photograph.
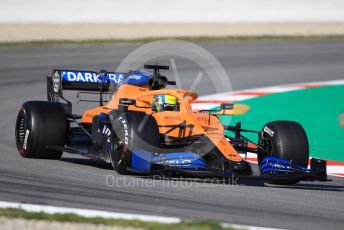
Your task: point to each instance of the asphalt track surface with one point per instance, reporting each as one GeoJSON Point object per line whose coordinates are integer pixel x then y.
{"type": "Point", "coordinates": [78, 182]}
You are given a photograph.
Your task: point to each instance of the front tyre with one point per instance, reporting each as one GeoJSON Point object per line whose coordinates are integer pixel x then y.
{"type": "Point", "coordinates": [40, 127]}
{"type": "Point", "coordinates": [132, 130]}
{"type": "Point", "coordinates": [286, 140]}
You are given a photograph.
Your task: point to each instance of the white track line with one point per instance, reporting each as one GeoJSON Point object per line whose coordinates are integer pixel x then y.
{"type": "Point", "coordinates": [241, 95]}
{"type": "Point", "coordinates": [104, 214]}
{"type": "Point", "coordinates": [88, 212]}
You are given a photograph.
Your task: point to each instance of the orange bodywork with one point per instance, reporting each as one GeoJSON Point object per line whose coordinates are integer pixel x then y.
{"type": "Point", "coordinates": [203, 124]}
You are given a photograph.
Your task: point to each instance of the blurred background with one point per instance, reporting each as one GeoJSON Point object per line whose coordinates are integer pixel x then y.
{"type": "Point", "coordinates": [22, 20]}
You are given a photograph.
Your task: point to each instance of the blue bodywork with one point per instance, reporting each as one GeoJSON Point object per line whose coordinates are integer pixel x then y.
{"type": "Point", "coordinates": [278, 166]}
{"type": "Point", "coordinates": [274, 167]}
{"type": "Point", "coordinates": [142, 161]}
{"type": "Point", "coordinates": [138, 78]}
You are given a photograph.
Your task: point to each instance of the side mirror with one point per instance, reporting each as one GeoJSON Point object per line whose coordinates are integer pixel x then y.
{"type": "Point", "coordinates": [127, 101]}
{"type": "Point", "coordinates": [231, 109]}
{"type": "Point", "coordinates": [227, 106]}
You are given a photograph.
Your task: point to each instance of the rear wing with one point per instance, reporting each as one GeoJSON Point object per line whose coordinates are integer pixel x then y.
{"type": "Point", "coordinates": [80, 81]}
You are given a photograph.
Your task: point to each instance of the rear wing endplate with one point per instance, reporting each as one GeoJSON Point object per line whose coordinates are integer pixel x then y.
{"type": "Point", "coordinates": [80, 81]}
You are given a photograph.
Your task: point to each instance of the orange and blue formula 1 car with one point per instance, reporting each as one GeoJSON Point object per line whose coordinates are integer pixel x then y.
{"type": "Point", "coordinates": [145, 129]}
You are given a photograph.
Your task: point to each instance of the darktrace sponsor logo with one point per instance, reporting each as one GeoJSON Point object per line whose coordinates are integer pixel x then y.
{"type": "Point", "coordinates": [90, 77]}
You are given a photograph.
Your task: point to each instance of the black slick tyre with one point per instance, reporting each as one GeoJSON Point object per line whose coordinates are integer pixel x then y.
{"type": "Point", "coordinates": [286, 140]}
{"type": "Point", "coordinates": [40, 130]}
{"type": "Point", "coordinates": [132, 130]}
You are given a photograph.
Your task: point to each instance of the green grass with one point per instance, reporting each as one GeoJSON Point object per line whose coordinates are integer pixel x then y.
{"type": "Point", "coordinates": [69, 217]}
{"type": "Point", "coordinates": [316, 109]}
{"type": "Point", "coordinates": [150, 39]}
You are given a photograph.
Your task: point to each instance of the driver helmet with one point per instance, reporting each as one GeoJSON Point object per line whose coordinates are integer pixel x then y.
{"type": "Point", "coordinates": [164, 103]}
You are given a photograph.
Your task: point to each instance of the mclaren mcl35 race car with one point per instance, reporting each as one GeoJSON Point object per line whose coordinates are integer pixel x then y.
{"type": "Point", "coordinates": [145, 129]}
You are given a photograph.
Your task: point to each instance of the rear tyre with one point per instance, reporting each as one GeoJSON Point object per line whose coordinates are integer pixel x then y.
{"type": "Point", "coordinates": [286, 140]}
{"type": "Point", "coordinates": [40, 126]}
{"type": "Point", "coordinates": [132, 130]}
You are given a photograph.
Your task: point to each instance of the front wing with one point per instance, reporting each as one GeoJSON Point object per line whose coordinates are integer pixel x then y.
{"type": "Point", "coordinates": [192, 164]}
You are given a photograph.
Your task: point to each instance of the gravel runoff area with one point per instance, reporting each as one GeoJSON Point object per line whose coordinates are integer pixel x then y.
{"type": "Point", "coordinates": [39, 32]}
{"type": "Point", "coordinates": [19, 224]}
